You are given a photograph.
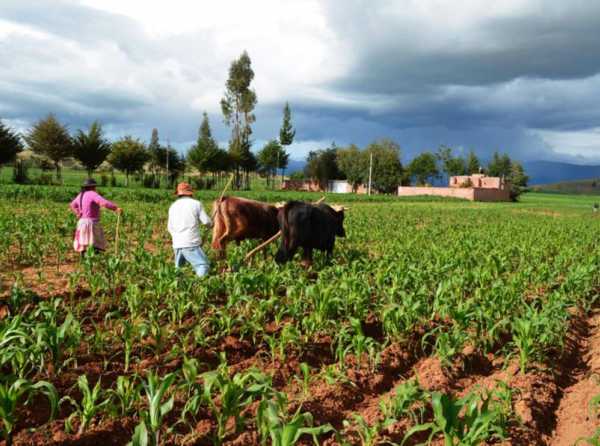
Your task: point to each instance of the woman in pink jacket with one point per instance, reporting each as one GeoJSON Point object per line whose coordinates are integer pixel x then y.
{"type": "Point", "coordinates": [86, 206]}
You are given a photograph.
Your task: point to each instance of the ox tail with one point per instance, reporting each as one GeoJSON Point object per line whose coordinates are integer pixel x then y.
{"type": "Point", "coordinates": [225, 219]}
{"type": "Point", "coordinates": [219, 224]}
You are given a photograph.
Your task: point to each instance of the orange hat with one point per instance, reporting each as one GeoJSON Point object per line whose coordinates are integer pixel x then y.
{"type": "Point", "coordinates": [184, 189]}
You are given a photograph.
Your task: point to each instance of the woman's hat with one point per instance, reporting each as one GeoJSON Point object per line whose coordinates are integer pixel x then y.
{"type": "Point", "coordinates": [184, 189]}
{"type": "Point", "coordinates": [89, 182]}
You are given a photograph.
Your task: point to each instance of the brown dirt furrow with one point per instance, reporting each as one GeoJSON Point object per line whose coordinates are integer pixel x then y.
{"type": "Point", "coordinates": [575, 418]}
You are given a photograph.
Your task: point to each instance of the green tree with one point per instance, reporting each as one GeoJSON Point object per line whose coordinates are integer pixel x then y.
{"type": "Point", "coordinates": [270, 158]}
{"type": "Point", "coordinates": [10, 144]}
{"type": "Point", "coordinates": [156, 154]}
{"type": "Point", "coordinates": [472, 163]}
{"type": "Point", "coordinates": [450, 164]}
{"type": "Point", "coordinates": [518, 180]}
{"type": "Point", "coordinates": [387, 168]}
{"type": "Point", "coordinates": [237, 106]}
{"type": "Point", "coordinates": [128, 155]}
{"type": "Point", "coordinates": [353, 164]}
{"type": "Point", "coordinates": [423, 168]}
{"type": "Point", "coordinates": [500, 165]}
{"type": "Point", "coordinates": [176, 165]}
{"type": "Point", "coordinates": [91, 148]}
{"type": "Point", "coordinates": [286, 136]}
{"type": "Point", "coordinates": [321, 166]}
{"type": "Point", "coordinates": [205, 153]}
{"type": "Point", "coordinates": [49, 138]}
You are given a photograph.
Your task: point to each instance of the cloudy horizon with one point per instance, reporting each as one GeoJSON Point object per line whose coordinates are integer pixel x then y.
{"type": "Point", "coordinates": [521, 76]}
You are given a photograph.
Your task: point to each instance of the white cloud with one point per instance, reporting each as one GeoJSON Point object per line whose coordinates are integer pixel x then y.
{"type": "Point", "coordinates": [584, 144]}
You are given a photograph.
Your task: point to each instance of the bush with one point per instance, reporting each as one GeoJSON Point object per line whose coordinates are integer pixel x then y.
{"type": "Point", "coordinates": [203, 183]}
{"type": "Point", "coordinates": [44, 179]}
{"type": "Point", "coordinates": [20, 172]}
{"type": "Point", "coordinates": [151, 181]}
{"type": "Point", "coordinates": [104, 180]}
{"type": "Point", "coordinates": [297, 175]}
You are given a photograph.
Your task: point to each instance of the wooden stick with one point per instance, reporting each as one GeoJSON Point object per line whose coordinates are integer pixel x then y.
{"type": "Point", "coordinates": [117, 234]}
{"type": "Point", "coordinates": [261, 246]}
{"type": "Point", "coordinates": [320, 200]}
{"type": "Point", "coordinates": [226, 187]}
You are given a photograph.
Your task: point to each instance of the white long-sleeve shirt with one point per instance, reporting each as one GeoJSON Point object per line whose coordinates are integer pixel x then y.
{"type": "Point", "coordinates": [185, 216]}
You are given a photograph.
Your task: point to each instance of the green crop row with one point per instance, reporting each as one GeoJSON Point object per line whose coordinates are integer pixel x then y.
{"type": "Point", "coordinates": [436, 278]}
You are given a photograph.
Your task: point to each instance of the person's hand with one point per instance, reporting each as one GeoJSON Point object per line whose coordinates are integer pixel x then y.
{"type": "Point", "coordinates": [119, 211]}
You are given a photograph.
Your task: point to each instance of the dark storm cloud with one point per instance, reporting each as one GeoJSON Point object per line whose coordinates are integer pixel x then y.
{"type": "Point", "coordinates": [394, 53]}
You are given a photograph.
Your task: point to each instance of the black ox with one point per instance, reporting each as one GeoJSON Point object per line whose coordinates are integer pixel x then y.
{"type": "Point", "coordinates": [308, 226]}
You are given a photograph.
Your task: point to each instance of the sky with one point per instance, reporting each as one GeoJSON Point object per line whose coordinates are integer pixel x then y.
{"type": "Point", "coordinates": [518, 76]}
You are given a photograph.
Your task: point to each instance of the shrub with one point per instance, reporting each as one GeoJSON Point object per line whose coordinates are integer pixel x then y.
{"type": "Point", "coordinates": [20, 172]}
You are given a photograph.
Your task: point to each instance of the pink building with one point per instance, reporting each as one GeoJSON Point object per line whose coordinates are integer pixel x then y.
{"type": "Point", "coordinates": [476, 187]}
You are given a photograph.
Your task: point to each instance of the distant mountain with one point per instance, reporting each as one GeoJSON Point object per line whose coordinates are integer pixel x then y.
{"type": "Point", "coordinates": [547, 172]}
{"type": "Point", "coordinates": [295, 165]}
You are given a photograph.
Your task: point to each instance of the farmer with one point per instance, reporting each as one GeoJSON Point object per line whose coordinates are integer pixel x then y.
{"type": "Point", "coordinates": [185, 217]}
{"type": "Point", "coordinates": [86, 206]}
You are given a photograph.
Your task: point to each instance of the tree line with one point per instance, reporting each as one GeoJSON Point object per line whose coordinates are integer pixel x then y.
{"type": "Point", "coordinates": [387, 171]}
{"type": "Point", "coordinates": [52, 143]}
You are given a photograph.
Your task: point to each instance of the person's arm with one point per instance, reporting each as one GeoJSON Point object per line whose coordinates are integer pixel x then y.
{"type": "Point", "coordinates": [103, 202]}
{"type": "Point", "coordinates": [170, 222]}
{"type": "Point", "coordinates": [75, 206]}
{"type": "Point", "coordinates": [203, 216]}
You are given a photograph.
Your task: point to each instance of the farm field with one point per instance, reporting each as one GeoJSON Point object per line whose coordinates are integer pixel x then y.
{"type": "Point", "coordinates": [440, 322]}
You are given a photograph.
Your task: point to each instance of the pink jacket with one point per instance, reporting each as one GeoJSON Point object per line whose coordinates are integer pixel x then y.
{"type": "Point", "coordinates": [89, 205]}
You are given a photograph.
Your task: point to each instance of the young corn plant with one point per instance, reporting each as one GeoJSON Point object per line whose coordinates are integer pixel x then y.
{"type": "Point", "coordinates": [155, 388]}
{"type": "Point", "coordinates": [88, 408]}
{"type": "Point", "coordinates": [468, 421]}
{"type": "Point", "coordinates": [525, 340]}
{"type": "Point", "coordinates": [12, 393]}
{"type": "Point", "coordinates": [127, 335]}
{"type": "Point", "coordinates": [304, 380]}
{"type": "Point", "coordinates": [285, 429]}
{"type": "Point", "coordinates": [235, 395]}
{"type": "Point", "coordinates": [58, 339]}
{"type": "Point", "coordinates": [369, 435]}
{"type": "Point", "coordinates": [402, 402]}
{"type": "Point", "coordinates": [18, 349]}
{"type": "Point", "coordinates": [191, 388]}
{"type": "Point", "coordinates": [125, 395]}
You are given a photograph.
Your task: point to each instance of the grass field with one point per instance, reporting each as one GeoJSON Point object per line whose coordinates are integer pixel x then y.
{"type": "Point", "coordinates": [440, 322]}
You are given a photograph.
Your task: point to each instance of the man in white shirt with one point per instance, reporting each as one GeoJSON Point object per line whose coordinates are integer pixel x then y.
{"type": "Point", "coordinates": [185, 217]}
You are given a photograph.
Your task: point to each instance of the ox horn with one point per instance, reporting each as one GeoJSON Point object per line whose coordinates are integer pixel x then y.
{"type": "Point", "coordinates": [262, 246]}
{"type": "Point", "coordinates": [320, 200]}
{"type": "Point", "coordinates": [279, 204]}
{"type": "Point", "coordinates": [339, 207]}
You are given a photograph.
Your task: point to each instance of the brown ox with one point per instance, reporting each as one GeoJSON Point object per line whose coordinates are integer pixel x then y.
{"type": "Point", "coordinates": [237, 219]}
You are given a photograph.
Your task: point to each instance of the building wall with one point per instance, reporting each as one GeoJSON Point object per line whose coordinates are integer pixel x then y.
{"type": "Point", "coordinates": [340, 186]}
{"type": "Point", "coordinates": [477, 181]}
{"type": "Point", "coordinates": [491, 194]}
{"type": "Point", "coordinates": [300, 185]}
{"type": "Point", "coordinates": [465, 193]}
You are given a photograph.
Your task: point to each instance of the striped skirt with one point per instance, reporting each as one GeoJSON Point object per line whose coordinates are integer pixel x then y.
{"type": "Point", "coordinates": [88, 232]}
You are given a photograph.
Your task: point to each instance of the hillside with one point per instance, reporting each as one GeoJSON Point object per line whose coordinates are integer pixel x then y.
{"type": "Point", "coordinates": [587, 187]}
{"type": "Point", "coordinates": [550, 172]}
